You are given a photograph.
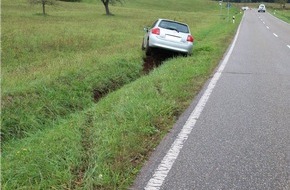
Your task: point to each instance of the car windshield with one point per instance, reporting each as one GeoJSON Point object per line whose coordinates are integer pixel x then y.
{"type": "Point", "coordinates": [173, 26]}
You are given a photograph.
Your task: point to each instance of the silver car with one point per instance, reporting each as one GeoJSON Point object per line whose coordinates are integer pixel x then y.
{"type": "Point", "coordinates": [170, 35]}
{"type": "Point", "coordinates": [262, 8]}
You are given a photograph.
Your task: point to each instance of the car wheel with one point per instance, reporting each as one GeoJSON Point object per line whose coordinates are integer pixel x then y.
{"type": "Point", "coordinates": [148, 49]}
{"type": "Point", "coordinates": [186, 54]}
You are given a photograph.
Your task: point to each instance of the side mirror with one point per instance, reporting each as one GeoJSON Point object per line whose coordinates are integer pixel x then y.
{"type": "Point", "coordinates": [146, 29]}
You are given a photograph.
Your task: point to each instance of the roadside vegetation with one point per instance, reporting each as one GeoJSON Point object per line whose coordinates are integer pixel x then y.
{"type": "Point", "coordinates": [283, 14]}
{"type": "Point", "coordinates": [78, 112]}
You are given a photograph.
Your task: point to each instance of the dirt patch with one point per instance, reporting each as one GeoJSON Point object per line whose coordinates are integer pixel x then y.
{"type": "Point", "coordinates": [157, 57]}
{"type": "Point", "coordinates": [98, 94]}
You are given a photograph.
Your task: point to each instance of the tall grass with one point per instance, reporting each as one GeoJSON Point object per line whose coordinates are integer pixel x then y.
{"type": "Point", "coordinates": [56, 136]}
{"type": "Point", "coordinates": [52, 65]}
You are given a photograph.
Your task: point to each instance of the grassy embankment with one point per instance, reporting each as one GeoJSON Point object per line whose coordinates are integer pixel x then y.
{"type": "Point", "coordinates": [283, 14]}
{"type": "Point", "coordinates": [54, 134]}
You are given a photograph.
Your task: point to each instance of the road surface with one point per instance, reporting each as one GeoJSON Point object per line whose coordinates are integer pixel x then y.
{"type": "Point", "coordinates": [236, 134]}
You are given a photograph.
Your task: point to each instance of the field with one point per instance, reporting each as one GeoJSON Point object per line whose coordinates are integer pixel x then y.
{"type": "Point", "coordinates": [78, 110]}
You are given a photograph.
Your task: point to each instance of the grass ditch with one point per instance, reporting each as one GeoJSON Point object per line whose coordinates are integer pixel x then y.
{"type": "Point", "coordinates": [97, 145]}
{"type": "Point", "coordinates": [67, 94]}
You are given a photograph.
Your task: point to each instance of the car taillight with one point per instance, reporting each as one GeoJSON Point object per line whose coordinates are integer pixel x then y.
{"type": "Point", "coordinates": [155, 31]}
{"type": "Point", "coordinates": [189, 38]}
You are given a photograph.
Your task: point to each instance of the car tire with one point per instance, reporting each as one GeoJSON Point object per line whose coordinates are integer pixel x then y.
{"type": "Point", "coordinates": [148, 49]}
{"type": "Point", "coordinates": [186, 54]}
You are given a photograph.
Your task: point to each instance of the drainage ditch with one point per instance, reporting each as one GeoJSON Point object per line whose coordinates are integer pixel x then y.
{"type": "Point", "coordinates": [156, 59]}
{"type": "Point", "coordinates": [150, 62]}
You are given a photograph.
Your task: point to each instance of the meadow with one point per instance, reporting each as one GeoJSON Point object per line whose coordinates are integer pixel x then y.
{"type": "Point", "coordinates": [77, 110]}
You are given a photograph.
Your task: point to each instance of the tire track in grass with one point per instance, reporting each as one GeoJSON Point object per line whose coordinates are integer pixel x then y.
{"type": "Point", "coordinates": [86, 153]}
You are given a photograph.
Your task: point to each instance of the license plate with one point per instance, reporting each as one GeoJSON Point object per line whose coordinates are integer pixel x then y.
{"type": "Point", "coordinates": [173, 38]}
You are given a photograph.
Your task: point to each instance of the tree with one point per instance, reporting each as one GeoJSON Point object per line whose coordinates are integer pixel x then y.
{"type": "Point", "coordinates": [106, 4]}
{"type": "Point", "coordinates": [43, 2]}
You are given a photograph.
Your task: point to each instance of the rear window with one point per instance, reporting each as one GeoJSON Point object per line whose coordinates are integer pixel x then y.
{"type": "Point", "coordinates": [170, 25]}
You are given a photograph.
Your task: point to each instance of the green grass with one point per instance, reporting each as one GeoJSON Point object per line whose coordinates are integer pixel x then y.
{"type": "Point", "coordinates": [282, 14]}
{"type": "Point", "coordinates": [54, 135]}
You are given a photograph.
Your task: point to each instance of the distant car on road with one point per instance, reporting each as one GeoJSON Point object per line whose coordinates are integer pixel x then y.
{"type": "Point", "coordinates": [168, 34]}
{"type": "Point", "coordinates": [245, 8]}
{"type": "Point", "coordinates": [262, 8]}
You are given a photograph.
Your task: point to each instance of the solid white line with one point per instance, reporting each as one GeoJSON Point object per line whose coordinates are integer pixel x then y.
{"type": "Point", "coordinates": [166, 164]}
{"type": "Point", "coordinates": [279, 19]}
{"type": "Point", "coordinates": [275, 35]}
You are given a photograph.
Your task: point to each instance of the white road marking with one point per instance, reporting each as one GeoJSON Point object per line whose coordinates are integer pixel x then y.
{"type": "Point", "coordinates": [267, 27]}
{"type": "Point", "coordinates": [279, 19]}
{"type": "Point", "coordinates": [288, 46]}
{"type": "Point", "coordinates": [275, 35]}
{"type": "Point", "coordinates": [166, 164]}
{"type": "Point", "coordinates": [264, 23]}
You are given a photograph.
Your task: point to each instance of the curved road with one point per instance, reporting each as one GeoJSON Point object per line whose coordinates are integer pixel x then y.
{"type": "Point", "coordinates": [236, 134]}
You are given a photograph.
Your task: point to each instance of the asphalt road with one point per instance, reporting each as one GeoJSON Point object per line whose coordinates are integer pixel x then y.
{"type": "Point", "coordinates": [236, 133]}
